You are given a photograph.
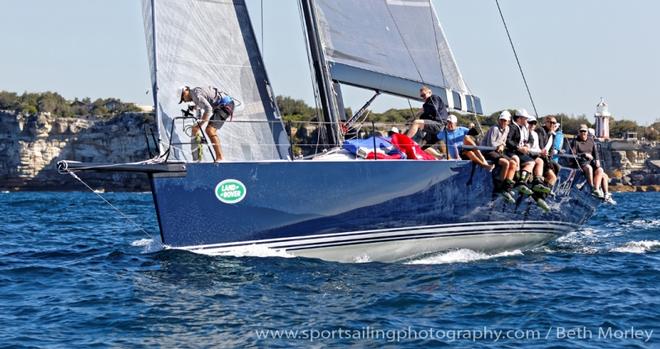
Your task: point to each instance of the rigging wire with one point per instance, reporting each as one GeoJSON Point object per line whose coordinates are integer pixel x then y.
{"type": "Point", "coordinates": [404, 43]}
{"type": "Point", "coordinates": [310, 64]}
{"type": "Point", "coordinates": [263, 49]}
{"type": "Point", "coordinates": [437, 46]}
{"type": "Point", "coordinates": [412, 112]}
{"type": "Point", "coordinates": [525, 80]}
{"type": "Point", "coordinates": [516, 56]}
{"type": "Point", "coordinates": [111, 205]}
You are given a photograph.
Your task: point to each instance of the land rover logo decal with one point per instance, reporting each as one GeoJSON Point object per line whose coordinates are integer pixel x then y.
{"type": "Point", "coordinates": [230, 191]}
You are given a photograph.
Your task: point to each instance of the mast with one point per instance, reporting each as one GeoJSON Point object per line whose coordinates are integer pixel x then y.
{"type": "Point", "coordinates": [321, 75]}
{"type": "Point", "coordinates": [154, 87]}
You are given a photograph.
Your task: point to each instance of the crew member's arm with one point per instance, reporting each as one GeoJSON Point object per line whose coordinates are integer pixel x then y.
{"type": "Point", "coordinates": [204, 107]}
{"type": "Point", "coordinates": [511, 144]}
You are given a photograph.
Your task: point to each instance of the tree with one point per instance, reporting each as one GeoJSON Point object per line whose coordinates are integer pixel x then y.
{"type": "Point", "coordinates": [9, 100]}
{"type": "Point", "coordinates": [618, 128]}
{"type": "Point", "coordinates": [294, 109]}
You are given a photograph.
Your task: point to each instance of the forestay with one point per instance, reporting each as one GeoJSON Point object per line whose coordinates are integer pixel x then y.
{"type": "Point", "coordinates": [211, 43]}
{"type": "Point", "coordinates": [393, 46]}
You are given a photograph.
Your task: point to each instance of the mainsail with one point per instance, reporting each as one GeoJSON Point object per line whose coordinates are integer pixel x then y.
{"type": "Point", "coordinates": [392, 46]}
{"type": "Point", "coordinates": [211, 43]}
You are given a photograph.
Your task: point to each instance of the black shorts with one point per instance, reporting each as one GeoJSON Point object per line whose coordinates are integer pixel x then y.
{"type": "Point", "coordinates": [582, 162]}
{"type": "Point", "coordinates": [524, 158]}
{"type": "Point", "coordinates": [222, 113]}
{"type": "Point", "coordinates": [495, 156]}
{"type": "Point", "coordinates": [431, 130]}
{"type": "Point", "coordinates": [548, 165]}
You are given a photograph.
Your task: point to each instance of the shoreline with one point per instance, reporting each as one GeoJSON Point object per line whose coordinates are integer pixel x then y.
{"type": "Point", "coordinates": [634, 188]}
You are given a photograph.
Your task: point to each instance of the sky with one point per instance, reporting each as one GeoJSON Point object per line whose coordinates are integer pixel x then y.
{"type": "Point", "coordinates": [572, 51]}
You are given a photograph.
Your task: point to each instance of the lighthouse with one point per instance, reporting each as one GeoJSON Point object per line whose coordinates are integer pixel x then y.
{"type": "Point", "coordinates": [602, 120]}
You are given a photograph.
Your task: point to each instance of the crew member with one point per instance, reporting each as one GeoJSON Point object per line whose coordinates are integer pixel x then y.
{"type": "Point", "coordinates": [214, 107]}
{"type": "Point", "coordinates": [432, 118]}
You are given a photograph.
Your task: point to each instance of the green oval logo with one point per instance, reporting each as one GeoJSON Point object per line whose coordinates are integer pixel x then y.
{"type": "Point", "coordinates": [230, 191]}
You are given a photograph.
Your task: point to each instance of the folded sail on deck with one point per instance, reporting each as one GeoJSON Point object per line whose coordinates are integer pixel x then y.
{"type": "Point", "coordinates": [211, 43]}
{"type": "Point", "coordinates": [393, 46]}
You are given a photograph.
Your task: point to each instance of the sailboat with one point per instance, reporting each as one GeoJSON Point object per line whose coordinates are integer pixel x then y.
{"type": "Point", "coordinates": [323, 207]}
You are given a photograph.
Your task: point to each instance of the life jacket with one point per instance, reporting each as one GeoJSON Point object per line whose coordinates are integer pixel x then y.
{"type": "Point", "coordinates": [225, 104]}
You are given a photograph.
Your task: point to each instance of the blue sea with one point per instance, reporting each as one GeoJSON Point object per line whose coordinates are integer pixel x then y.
{"type": "Point", "coordinates": [76, 274]}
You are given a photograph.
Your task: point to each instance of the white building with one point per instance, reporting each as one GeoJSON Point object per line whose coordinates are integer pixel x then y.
{"type": "Point", "coordinates": [602, 120]}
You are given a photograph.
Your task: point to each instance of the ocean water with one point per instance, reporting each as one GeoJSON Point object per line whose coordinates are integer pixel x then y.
{"type": "Point", "coordinates": [76, 274]}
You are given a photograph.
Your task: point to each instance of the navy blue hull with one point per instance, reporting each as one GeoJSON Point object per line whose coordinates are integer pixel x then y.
{"type": "Point", "coordinates": [285, 200]}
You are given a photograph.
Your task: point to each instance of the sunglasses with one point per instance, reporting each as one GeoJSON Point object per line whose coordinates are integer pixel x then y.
{"type": "Point", "coordinates": [582, 131]}
{"type": "Point", "coordinates": [551, 122]}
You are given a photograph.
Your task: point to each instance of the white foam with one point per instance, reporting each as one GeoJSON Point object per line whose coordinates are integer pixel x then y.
{"type": "Point", "coordinates": [644, 223]}
{"type": "Point", "coordinates": [149, 245]}
{"type": "Point", "coordinates": [255, 251]}
{"type": "Point", "coordinates": [462, 256]}
{"type": "Point", "coordinates": [362, 259]}
{"type": "Point", "coordinates": [637, 246]}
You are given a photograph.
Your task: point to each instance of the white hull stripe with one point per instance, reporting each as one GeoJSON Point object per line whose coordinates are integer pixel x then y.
{"type": "Point", "coordinates": [409, 233]}
{"type": "Point", "coordinates": [412, 237]}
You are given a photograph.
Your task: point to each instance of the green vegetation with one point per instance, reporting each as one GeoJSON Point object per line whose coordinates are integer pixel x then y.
{"type": "Point", "coordinates": [296, 110]}
{"type": "Point", "coordinates": [54, 103]}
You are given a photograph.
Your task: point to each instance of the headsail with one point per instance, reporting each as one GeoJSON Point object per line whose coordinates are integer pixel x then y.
{"type": "Point", "coordinates": [212, 43]}
{"type": "Point", "coordinates": [392, 46]}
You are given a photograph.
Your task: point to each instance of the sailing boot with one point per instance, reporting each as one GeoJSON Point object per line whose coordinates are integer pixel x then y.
{"type": "Point", "coordinates": [609, 200]}
{"type": "Point", "coordinates": [539, 198]}
{"type": "Point", "coordinates": [539, 187]}
{"type": "Point", "coordinates": [522, 187]}
{"type": "Point", "coordinates": [508, 187]}
{"type": "Point", "coordinates": [502, 190]}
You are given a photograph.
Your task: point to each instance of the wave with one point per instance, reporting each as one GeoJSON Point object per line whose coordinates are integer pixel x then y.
{"type": "Point", "coordinates": [638, 246]}
{"type": "Point", "coordinates": [462, 256]}
{"type": "Point", "coordinates": [149, 245]}
{"type": "Point", "coordinates": [645, 223]}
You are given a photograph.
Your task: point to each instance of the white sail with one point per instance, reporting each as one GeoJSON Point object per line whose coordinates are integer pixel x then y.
{"type": "Point", "coordinates": [391, 45]}
{"type": "Point", "coordinates": [211, 43]}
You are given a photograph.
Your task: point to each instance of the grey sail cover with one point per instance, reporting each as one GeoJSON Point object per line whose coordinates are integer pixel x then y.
{"type": "Point", "coordinates": [211, 43]}
{"type": "Point", "coordinates": [394, 38]}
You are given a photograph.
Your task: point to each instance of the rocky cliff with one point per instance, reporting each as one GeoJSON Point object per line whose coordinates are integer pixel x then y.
{"type": "Point", "coordinates": [32, 144]}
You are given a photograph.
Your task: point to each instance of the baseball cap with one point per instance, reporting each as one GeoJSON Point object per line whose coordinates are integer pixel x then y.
{"type": "Point", "coordinates": [523, 113]}
{"type": "Point", "coordinates": [180, 92]}
{"type": "Point", "coordinates": [505, 115]}
{"type": "Point", "coordinates": [584, 127]}
{"type": "Point", "coordinates": [452, 118]}
{"type": "Point", "coordinates": [395, 129]}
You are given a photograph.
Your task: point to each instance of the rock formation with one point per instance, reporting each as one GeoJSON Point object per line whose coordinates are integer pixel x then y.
{"type": "Point", "coordinates": [32, 145]}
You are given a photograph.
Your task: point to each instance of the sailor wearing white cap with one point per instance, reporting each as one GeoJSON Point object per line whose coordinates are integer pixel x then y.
{"type": "Point", "coordinates": [517, 148]}
{"type": "Point", "coordinates": [496, 137]}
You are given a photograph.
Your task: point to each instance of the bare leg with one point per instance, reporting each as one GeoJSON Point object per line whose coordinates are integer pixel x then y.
{"type": "Point", "coordinates": [514, 165]}
{"type": "Point", "coordinates": [469, 141]}
{"type": "Point", "coordinates": [434, 153]}
{"type": "Point", "coordinates": [605, 183]}
{"type": "Point", "coordinates": [588, 171]}
{"type": "Point", "coordinates": [215, 141]}
{"type": "Point", "coordinates": [475, 158]}
{"type": "Point", "coordinates": [416, 125]}
{"type": "Point", "coordinates": [550, 177]}
{"type": "Point", "coordinates": [538, 167]}
{"type": "Point", "coordinates": [504, 163]}
{"type": "Point", "coordinates": [598, 174]}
